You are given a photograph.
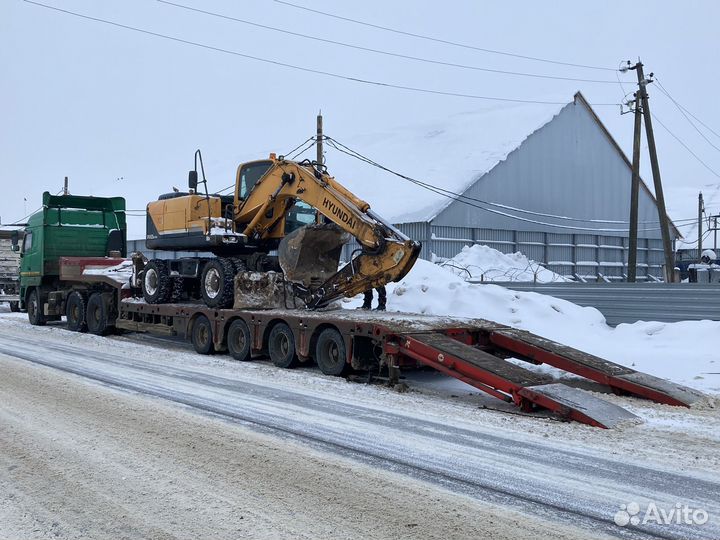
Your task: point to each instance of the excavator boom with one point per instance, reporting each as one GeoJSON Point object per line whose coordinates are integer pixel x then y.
{"type": "Point", "coordinates": [309, 257]}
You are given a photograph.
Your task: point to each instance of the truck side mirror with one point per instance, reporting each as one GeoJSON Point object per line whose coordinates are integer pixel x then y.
{"type": "Point", "coordinates": [192, 180]}
{"type": "Point", "coordinates": [15, 240]}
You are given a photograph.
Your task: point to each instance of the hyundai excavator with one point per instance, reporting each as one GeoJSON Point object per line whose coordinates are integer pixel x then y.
{"type": "Point", "coordinates": [295, 209]}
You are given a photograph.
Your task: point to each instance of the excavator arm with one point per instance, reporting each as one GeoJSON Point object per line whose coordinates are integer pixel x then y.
{"type": "Point", "coordinates": [386, 254]}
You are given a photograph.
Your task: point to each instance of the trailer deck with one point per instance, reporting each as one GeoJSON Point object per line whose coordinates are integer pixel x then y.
{"type": "Point", "coordinates": [474, 351]}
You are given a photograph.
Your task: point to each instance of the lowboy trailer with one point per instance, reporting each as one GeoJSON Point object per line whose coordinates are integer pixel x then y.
{"type": "Point", "coordinates": [474, 351]}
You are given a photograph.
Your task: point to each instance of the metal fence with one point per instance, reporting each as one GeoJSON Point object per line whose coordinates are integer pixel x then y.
{"type": "Point", "coordinates": [588, 257]}
{"type": "Point", "coordinates": [631, 302]}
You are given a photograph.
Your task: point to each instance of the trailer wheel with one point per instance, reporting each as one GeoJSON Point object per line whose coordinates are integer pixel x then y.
{"type": "Point", "coordinates": [75, 309]}
{"type": "Point", "coordinates": [201, 336]}
{"type": "Point", "coordinates": [15, 307]}
{"type": "Point", "coordinates": [238, 340]}
{"type": "Point", "coordinates": [216, 283]}
{"type": "Point", "coordinates": [35, 309]}
{"type": "Point", "coordinates": [330, 353]}
{"type": "Point", "coordinates": [281, 346]}
{"type": "Point", "coordinates": [156, 282]}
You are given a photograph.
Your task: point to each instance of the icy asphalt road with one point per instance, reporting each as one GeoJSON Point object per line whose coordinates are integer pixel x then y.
{"type": "Point", "coordinates": [540, 477]}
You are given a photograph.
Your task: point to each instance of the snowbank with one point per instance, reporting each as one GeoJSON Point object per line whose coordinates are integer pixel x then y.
{"type": "Point", "coordinates": [668, 350]}
{"type": "Point", "coordinates": [488, 264]}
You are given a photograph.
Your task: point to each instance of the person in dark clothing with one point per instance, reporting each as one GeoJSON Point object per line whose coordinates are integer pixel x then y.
{"type": "Point", "coordinates": [382, 299]}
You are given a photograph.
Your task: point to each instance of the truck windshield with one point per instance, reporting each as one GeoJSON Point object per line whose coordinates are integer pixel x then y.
{"type": "Point", "coordinates": [250, 174]}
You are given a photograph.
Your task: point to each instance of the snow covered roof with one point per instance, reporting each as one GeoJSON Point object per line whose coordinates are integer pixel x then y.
{"type": "Point", "coordinates": [451, 152]}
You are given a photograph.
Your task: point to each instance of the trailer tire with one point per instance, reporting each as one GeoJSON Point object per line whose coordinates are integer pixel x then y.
{"type": "Point", "coordinates": [330, 353]}
{"type": "Point", "coordinates": [75, 311]}
{"type": "Point", "coordinates": [238, 340]}
{"type": "Point", "coordinates": [201, 336]}
{"type": "Point", "coordinates": [97, 315]}
{"type": "Point", "coordinates": [15, 307]}
{"type": "Point", "coordinates": [35, 309]}
{"type": "Point", "coordinates": [217, 283]}
{"type": "Point", "coordinates": [281, 346]}
{"type": "Point", "coordinates": [156, 282]}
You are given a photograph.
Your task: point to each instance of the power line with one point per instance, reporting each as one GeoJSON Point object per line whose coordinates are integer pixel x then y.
{"type": "Point", "coordinates": [682, 111]}
{"type": "Point", "coordinates": [383, 52]}
{"type": "Point", "coordinates": [302, 68]}
{"type": "Point", "coordinates": [459, 197]}
{"type": "Point", "coordinates": [439, 40]}
{"type": "Point", "coordinates": [507, 207]}
{"type": "Point", "coordinates": [678, 139]}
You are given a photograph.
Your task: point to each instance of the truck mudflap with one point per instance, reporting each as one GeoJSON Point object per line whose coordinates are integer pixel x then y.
{"type": "Point", "coordinates": [508, 381]}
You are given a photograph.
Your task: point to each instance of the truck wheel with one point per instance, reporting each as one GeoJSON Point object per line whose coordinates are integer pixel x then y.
{"type": "Point", "coordinates": [281, 346]}
{"type": "Point", "coordinates": [202, 338]}
{"type": "Point", "coordinates": [15, 307]}
{"type": "Point", "coordinates": [238, 340]}
{"type": "Point", "coordinates": [216, 283]}
{"type": "Point", "coordinates": [97, 315]}
{"type": "Point", "coordinates": [156, 282]}
{"type": "Point", "coordinates": [35, 309]}
{"type": "Point", "coordinates": [330, 353]}
{"type": "Point", "coordinates": [75, 309]}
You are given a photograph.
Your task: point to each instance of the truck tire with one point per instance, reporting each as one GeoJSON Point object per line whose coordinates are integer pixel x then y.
{"type": "Point", "coordinates": [35, 309]}
{"type": "Point", "coordinates": [75, 310]}
{"type": "Point", "coordinates": [201, 337]}
{"type": "Point", "coordinates": [330, 353]}
{"type": "Point", "coordinates": [15, 307]}
{"type": "Point", "coordinates": [216, 283]}
{"type": "Point", "coordinates": [97, 315]}
{"type": "Point", "coordinates": [238, 340]}
{"type": "Point", "coordinates": [281, 346]}
{"type": "Point", "coordinates": [156, 282]}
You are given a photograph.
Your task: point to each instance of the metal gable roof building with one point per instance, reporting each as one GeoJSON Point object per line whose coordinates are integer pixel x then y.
{"type": "Point", "coordinates": [547, 180]}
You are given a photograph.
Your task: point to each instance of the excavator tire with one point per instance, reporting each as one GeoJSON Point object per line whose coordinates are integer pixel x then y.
{"type": "Point", "coordinates": [216, 283]}
{"type": "Point", "coordinates": [156, 282]}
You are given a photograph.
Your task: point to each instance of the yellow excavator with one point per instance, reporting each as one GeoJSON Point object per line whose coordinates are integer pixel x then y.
{"type": "Point", "coordinates": [293, 209]}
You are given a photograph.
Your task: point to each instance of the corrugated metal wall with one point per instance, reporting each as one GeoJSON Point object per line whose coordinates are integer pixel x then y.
{"type": "Point", "coordinates": [587, 256]}
{"type": "Point", "coordinates": [631, 302]}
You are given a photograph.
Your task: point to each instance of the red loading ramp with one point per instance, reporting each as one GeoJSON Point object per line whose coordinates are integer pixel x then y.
{"type": "Point", "coordinates": [621, 379]}
{"type": "Point", "coordinates": [508, 381]}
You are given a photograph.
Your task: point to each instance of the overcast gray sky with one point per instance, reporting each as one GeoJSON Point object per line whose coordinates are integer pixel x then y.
{"type": "Point", "coordinates": [121, 113]}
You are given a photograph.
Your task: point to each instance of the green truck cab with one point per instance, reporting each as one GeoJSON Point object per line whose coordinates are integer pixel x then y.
{"type": "Point", "coordinates": [67, 226]}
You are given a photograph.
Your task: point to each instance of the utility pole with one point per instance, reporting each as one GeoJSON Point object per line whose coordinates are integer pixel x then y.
{"type": "Point", "coordinates": [319, 139]}
{"type": "Point", "coordinates": [634, 194]}
{"type": "Point", "coordinates": [659, 196]}
{"type": "Point", "coordinates": [65, 187]}
{"type": "Point", "coordinates": [700, 226]}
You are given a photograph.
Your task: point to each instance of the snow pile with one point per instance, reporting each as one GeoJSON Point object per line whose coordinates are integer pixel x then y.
{"type": "Point", "coordinates": [488, 264]}
{"type": "Point", "coordinates": [662, 349]}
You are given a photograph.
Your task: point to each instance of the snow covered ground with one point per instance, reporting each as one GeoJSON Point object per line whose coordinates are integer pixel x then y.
{"type": "Point", "coordinates": [685, 352]}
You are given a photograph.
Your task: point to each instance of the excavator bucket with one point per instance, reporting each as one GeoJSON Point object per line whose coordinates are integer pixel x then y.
{"type": "Point", "coordinates": [311, 254]}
